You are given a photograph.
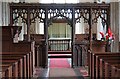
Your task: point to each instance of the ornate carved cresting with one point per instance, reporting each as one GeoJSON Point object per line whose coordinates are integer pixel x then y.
{"type": "Point", "coordinates": [61, 11]}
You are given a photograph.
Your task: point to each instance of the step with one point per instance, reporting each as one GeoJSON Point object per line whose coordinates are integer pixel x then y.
{"type": "Point", "coordinates": [59, 52]}
{"type": "Point", "coordinates": [60, 56]}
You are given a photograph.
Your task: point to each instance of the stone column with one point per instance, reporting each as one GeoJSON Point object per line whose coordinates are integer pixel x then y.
{"type": "Point", "coordinates": [114, 20]}
{"type": "Point", "coordinates": [7, 13]}
{"type": "Point", "coordinates": [0, 13]}
{"type": "Point", "coordinates": [3, 13]}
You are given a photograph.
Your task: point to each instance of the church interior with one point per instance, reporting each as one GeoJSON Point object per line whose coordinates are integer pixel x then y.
{"type": "Point", "coordinates": [59, 39]}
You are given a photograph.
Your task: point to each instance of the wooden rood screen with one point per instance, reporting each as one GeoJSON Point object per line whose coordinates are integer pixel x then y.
{"type": "Point", "coordinates": [72, 13]}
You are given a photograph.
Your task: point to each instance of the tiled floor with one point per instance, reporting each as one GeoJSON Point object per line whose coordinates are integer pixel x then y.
{"type": "Point", "coordinates": [56, 73]}
{"type": "Point", "coordinates": [60, 72]}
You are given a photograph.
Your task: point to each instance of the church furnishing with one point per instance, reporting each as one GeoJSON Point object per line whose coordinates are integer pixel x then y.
{"type": "Point", "coordinates": [72, 13]}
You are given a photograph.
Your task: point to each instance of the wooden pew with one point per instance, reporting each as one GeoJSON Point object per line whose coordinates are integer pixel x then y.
{"type": "Point", "coordinates": [26, 59]}
{"type": "Point", "coordinates": [95, 61]}
{"type": "Point", "coordinates": [104, 69]}
{"type": "Point", "coordinates": [18, 67]}
{"type": "Point", "coordinates": [21, 46]}
{"type": "Point", "coordinates": [16, 62]}
{"type": "Point", "coordinates": [14, 67]}
{"type": "Point", "coordinates": [38, 47]}
{"type": "Point", "coordinates": [28, 47]}
{"type": "Point", "coordinates": [112, 70]}
{"type": "Point", "coordinates": [98, 61]}
{"type": "Point", "coordinates": [6, 71]}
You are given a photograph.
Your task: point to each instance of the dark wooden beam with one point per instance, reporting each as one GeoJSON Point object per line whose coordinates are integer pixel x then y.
{"type": "Point", "coordinates": [73, 36]}
{"type": "Point", "coordinates": [53, 5]}
{"type": "Point", "coordinates": [46, 38]}
{"type": "Point", "coordinates": [28, 25]}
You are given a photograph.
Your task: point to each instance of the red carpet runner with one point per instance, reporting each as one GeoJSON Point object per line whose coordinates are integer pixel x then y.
{"type": "Point", "coordinates": [59, 63]}
{"type": "Point", "coordinates": [59, 68]}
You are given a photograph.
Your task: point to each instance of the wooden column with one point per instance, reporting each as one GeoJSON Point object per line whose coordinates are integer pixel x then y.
{"type": "Point", "coordinates": [90, 40]}
{"type": "Point", "coordinates": [73, 37]}
{"type": "Point", "coordinates": [90, 29]}
{"type": "Point", "coordinates": [28, 25]}
{"type": "Point", "coordinates": [114, 8]}
{"type": "Point", "coordinates": [46, 38]}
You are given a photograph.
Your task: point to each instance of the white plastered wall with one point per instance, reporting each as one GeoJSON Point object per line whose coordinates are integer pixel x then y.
{"type": "Point", "coordinates": [0, 13]}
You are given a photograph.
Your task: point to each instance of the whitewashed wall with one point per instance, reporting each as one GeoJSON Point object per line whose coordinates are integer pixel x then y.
{"type": "Point", "coordinates": [114, 23]}
{"type": "Point", "coordinates": [0, 13]}
{"type": "Point", "coordinates": [4, 13]}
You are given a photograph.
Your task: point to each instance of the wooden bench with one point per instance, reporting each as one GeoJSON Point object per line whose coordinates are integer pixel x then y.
{"type": "Point", "coordinates": [100, 64]}
{"type": "Point", "coordinates": [15, 62]}
{"type": "Point", "coordinates": [111, 69]}
{"type": "Point", "coordinates": [27, 69]}
{"type": "Point", "coordinates": [97, 64]}
{"type": "Point", "coordinates": [104, 69]}
{"type": "Point", "coordinates": [38, 48]}
{"type": "Point", "coordinates": [14, 65]}
{"type": "Point", "coordinates": [8, 34]}
{"type": "Point", "coordinates": [24, 47]}
{"type": "Point", "coordinates": [14, 59]}
{"type": "Point", "coordinates": [6, 71]}
{"type": "Point", "coordinates": [26, 57]}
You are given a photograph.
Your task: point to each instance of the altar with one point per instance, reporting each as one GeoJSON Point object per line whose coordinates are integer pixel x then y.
{"type": "Point", "coordinates": [59, 44]}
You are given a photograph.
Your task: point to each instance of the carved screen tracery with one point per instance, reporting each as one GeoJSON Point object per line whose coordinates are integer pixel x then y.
{"type": "Point", "coordinates": [37, 16]}
{"type": "Point", "coordinates": [56, 10]}
{"type": "Point", "coordinates": [37, 13]}
{"type": "Point", "coordinates": [99, 13]}
{"type": "Point", "coordinates": [59, 13]}
{"type": "Point", "coordinates": [89, 13]}
{"type": "Point", "coordinates": [82, 20]}
{"type": "Point", "coordinates": [82, 13]}
{"type": "Point", "coordinates": [19, 13]}
{"type": "Point", "coordinates": [100, 20]}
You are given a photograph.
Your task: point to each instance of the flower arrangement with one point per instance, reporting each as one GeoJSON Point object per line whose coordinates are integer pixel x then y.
{"type": "Point", "coordinates": [108, 36]}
